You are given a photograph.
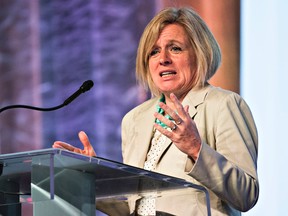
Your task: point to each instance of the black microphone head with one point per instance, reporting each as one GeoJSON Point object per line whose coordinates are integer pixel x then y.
{"type": "Point", "coordinates": [86, 86]}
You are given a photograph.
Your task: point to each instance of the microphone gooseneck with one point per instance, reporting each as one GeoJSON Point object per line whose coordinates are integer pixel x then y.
{"type": "Point", "coordinates": [86, 86]}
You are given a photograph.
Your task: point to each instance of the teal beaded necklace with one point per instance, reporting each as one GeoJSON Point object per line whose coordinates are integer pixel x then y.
{"type": "Point", "coordinates": [161, 111]}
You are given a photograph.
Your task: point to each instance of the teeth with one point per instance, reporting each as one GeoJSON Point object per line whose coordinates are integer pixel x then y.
{"type": "Point", "coordinates": [167, 73]}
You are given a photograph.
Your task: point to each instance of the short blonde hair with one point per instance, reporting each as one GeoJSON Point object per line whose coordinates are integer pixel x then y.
{"type": "Point", "coordinates": [205, 46]}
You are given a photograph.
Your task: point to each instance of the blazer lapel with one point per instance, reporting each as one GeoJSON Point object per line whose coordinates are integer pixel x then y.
{"type": "Point", "coordinates": [145, 120]}
{"type": "Point", "coordinates": [194, 98]}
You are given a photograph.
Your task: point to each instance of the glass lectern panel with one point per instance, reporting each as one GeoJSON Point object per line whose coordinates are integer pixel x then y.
{"type": "Point", "coordinates": [62, 182]}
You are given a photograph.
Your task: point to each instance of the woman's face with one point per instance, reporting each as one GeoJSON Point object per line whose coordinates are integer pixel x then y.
{"type": "Point", "coordinates": [172, 62]}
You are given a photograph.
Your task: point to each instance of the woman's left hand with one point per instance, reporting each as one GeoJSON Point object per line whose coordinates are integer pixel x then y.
{"type": "Point", "coordinates": [184, 133]}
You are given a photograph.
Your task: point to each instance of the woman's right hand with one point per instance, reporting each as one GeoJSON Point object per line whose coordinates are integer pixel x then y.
{"type": "Point", "coordinates": [88, 148]}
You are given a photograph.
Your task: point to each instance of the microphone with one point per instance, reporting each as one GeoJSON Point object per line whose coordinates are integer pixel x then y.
{"type": "Point", "coordinates": [86, 86]}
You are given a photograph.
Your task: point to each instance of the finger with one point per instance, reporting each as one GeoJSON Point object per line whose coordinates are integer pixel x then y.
{"type": "Point", "coordinates": [84, 139]}
{"type": "Point", "coordinates": [186, 108]}
{"type": "Point", "coordinates": [165, 132]}
{"type": "Point", "coordinates": [55, 145]}
{"type": "Point", "coordinates": [88, 148]}
{"type": "Point", "coordinates": [77, 150]}
{"type": "Point", "coordinates": [179, 107]}
{"type": "Point", "coordinates": [167, 110]}
{"type": "Point", "coordinates": [164, 120]}
{"type": "Point", "coordinates": [63, 145]}
{"type": "Point", "coordinates": [171, 113]}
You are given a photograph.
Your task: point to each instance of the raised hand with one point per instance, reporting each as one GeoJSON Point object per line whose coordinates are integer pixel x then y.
{"type": "Point", "coordinates": [88, 148]}
{"type": "Point", "coordinates": [184, 132]}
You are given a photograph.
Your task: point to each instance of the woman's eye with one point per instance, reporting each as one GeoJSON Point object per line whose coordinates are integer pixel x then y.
{"type": "Point", "coordinates": [154, 52]}
{"type": "Point", "coordinates": [176, 49]}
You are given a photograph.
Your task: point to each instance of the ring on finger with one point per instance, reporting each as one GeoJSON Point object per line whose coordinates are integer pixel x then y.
{"type": "Point", "coordinates": [174, 127]}
{"type": "Point", "coordinates": [179, 122]}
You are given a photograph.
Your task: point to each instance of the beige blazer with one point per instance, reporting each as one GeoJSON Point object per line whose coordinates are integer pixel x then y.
{"type": "Point", "coordinates": [227, 162]}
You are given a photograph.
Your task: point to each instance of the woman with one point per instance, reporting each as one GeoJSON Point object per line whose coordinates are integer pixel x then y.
{"type": "Point", "coordinates": [206, 135]}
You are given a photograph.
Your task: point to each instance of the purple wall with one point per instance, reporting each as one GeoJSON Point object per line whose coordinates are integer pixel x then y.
{"type": "Point", "coordinates": [48, 49]}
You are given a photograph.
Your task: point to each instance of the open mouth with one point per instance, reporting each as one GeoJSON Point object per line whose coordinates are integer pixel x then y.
{"type": "Point", "coordinates": [167, 73]}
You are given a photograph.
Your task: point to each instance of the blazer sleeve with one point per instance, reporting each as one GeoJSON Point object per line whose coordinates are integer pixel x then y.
{"type": "Point", "coordinates": [229, 167]}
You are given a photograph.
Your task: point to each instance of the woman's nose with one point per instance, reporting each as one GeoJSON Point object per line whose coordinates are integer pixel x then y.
{"type": "Point", "coordinates": [165, 59]}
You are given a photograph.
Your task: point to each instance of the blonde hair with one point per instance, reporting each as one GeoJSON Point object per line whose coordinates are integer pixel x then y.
{"type": "Point", "coordinates": [205, 46]}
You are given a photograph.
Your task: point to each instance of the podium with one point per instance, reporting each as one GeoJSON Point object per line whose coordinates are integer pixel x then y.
{"type": "Point", "coordinates": [58, 182]}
